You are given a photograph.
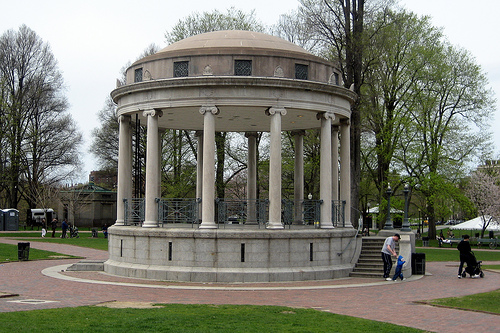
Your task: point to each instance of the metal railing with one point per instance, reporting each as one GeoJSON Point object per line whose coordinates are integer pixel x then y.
{"type": "Point", "coordinates": [338, 213]}
{"type": "Point", "coordinates": [242, 211]}
{"type": "Point", "coordinates": [178, 210]}
{"type": "Point", "coordinates": [134, 211]}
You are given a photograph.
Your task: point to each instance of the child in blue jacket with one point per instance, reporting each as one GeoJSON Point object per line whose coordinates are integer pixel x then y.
{"type": "Point", "coordinates": [399, 269]}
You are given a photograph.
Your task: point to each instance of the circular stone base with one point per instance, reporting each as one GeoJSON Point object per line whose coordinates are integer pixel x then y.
{"type": "Point", "coordinates": [231, 255]}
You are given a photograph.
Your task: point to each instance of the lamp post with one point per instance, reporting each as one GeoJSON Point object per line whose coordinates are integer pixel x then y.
{"type": "Point", "coordinates": [388, 222]}
{"type": "Point", "coordinates": [406, 222]}
{"type": "Point", "coordinates": [419, 230]}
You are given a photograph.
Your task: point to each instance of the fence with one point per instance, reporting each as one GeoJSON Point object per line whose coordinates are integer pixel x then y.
{"type": "Point", "coordinates": [230, 212]}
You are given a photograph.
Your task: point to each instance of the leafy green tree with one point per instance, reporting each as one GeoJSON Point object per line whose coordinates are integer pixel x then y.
{"type": "Point", "coordinates": [400, 49]}
{"type": "Point", "coordinates": [449, 124]}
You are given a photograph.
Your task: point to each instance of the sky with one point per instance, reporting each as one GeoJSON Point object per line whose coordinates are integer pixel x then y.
{"type": "Point", "coordinates": [92, 40]}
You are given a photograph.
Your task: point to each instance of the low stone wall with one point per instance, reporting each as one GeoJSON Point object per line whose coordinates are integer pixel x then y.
{"type": "Point", "coordinates": [234, 255]}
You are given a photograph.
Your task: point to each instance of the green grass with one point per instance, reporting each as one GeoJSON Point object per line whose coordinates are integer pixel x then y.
{"type": "Point", "coordinates": [489, 301]}
{"type": "Point", "coordinates": [9, 253]}
{"type": "Point", "coordinates": [189, 318]}
{"type": "Point", "coordinates": [437, 254]}
{"type": "Point", "coordinates": [85, 239]}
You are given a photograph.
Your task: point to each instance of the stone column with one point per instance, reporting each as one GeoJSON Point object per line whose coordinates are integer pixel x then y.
{"type": "Point", "coordinates": [252, 177]}
{"type": "Point", "coordinates": [298, 175]}
{"type": "Point", "coordinates": [345, 170]}
{"type": "Point", "coordinates": [335, 163]}
{"type": "Point", "coordinates": [208, 187]}
{"type": "Point", "coordinates": [153, 181]}
{"type": "Point", "coordinates": [275, 168]}
{"type": "Point", "coordinates": [199, 170]}
{"type": "Point", "coordinates": [124, 190]}
{"type": "Point", "coordinates": [325, 185]}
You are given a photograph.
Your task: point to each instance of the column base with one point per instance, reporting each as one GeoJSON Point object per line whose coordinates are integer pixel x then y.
{"type": "Point", "coordinates": [119, 222]}
{"type": "Point", "coordinates": [274, 226]}
{"type": "Point", "coordinates": [208, 225]}
{"type": "Point", "coordinates": [150, 224]}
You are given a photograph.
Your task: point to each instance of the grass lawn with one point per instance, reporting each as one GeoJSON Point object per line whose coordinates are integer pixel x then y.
{"type": "Point", "coordinates": [85, 239]}
{"type": "Point", "coordinates": [439, 254]}
{"type": "Point", "coordinates": [489, 301]}
{"type": "Point", "coordinates": [8, 253]}
{"type": "Point", "coordinates": [189, 318]}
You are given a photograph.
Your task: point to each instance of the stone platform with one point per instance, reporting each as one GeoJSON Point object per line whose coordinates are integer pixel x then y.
{"type": "Point", "coordinates": [231, 255]}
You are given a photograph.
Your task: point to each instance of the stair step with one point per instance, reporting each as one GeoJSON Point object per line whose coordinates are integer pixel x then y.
{"type": "Point", "coordinates": [368, 269]}
{"type": "Point", "coordinates": [366, 275]}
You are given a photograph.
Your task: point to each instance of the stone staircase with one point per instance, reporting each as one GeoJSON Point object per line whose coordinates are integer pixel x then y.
{"type": "Point", "coordinates": [370, 263]}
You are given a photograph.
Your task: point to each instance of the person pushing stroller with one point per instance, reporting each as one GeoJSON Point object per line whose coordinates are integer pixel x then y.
{"type": "Point", "coordinates": [467, 256]}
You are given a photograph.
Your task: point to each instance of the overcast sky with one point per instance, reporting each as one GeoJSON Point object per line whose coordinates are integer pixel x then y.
{"type": "Point", "coordinates": [92, 40]}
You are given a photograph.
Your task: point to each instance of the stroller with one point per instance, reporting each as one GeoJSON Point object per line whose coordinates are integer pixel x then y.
{"type": "Point", "coordinates": [473, 267]}
{"type": "Point", "coordinates": [73, 232]}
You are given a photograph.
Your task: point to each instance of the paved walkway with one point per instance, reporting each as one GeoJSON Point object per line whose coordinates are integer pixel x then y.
{"type": "Point", "coordinates": [42, 284]}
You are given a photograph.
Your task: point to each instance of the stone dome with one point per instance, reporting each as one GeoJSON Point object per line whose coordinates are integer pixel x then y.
{"type": "Point", "coordinates": [242, 73]}
{"type": "Point", "coordinates": [231, 42]}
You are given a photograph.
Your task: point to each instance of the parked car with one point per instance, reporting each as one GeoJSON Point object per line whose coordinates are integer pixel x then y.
{"type": "Point", "coordinates": [450, 222]}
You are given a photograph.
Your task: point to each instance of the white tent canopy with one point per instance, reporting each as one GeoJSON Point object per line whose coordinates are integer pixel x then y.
{"type": "Point", "coordinates": [477, 224]}
{"type": "Point", "coordinates": [375, 210]}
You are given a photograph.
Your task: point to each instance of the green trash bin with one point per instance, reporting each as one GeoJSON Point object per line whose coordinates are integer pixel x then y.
{"type": "Point", "coordinates": [23, 251]}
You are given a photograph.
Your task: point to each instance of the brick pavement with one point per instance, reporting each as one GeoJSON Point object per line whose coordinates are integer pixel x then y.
{"type": "Point", "coordinates": [392, 302]}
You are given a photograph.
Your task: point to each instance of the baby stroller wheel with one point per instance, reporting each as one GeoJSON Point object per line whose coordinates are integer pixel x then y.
{"type": "Point", "coordinates": [481, 274]}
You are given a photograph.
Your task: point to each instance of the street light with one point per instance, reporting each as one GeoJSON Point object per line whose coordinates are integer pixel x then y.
{"type": "Point", "coordinates": [388, 222]}
{"type": "Point", "coordinates": [406, 222]}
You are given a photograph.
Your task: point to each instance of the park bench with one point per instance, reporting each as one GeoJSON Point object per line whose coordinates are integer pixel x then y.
{"type": "Point", "coordinates": [493, 242]}
{"type": "Point", "coordinates": [451, 241]}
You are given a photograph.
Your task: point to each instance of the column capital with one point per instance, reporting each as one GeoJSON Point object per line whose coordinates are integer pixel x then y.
{"type": "Point", "coordinates": [298, 132]}
{"type": "Point", "coordinates": [124, 119]}
{"type": "Point", "coordinates": [273, 110]}
{"type": "Point", "coordinates": [345, 121]}
{"type": "Point", "coordinates": [325, 115]}
{"type": "Point", "coordinates": [251, 134]}
{"type": "Point", "coordinates": [152, 113]}
{"type": "Point", "coordinates": [209, 108]}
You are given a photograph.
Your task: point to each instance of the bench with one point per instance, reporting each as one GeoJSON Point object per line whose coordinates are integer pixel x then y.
{"type": "Point", "coordinates": [450, 241]}
{"type": "Point", "coordinates": [493, 242]}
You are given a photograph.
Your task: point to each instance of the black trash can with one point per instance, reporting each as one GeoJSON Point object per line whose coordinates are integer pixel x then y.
{"type": "Point", "coordinates": [23, 251]}
{"type": "Point", "coordinates": [425, 241]}
{"type": "Point", "coordinates": [418, 263]}
{"type": "Point", "coordinates": [94, 233]}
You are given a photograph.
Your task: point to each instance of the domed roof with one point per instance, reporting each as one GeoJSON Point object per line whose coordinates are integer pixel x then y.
{"type": "Point", "coordinates": [234, 39]}
{"type": "Point", "coordinates": [233, 42]}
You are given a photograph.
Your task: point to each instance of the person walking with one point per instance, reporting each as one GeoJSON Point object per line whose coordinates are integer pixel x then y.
{"type": "Point", "coordinates": [465, 250]}
{"type": "Point", "coordinates": [53, 224]}
{"type": "Point", "coordinates": [64, 227]}
{"type": "Point", "coordinates": [399, 269]}
{"type": "Point", "coordinates": [387, 251]}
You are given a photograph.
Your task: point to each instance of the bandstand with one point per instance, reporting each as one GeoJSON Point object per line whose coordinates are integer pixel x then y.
{"type": "Point", "coordinates": [234, 81]}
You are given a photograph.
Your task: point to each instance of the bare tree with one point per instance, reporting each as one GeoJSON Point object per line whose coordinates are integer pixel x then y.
{"type": "Point", "coordinates": [42, 141]}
